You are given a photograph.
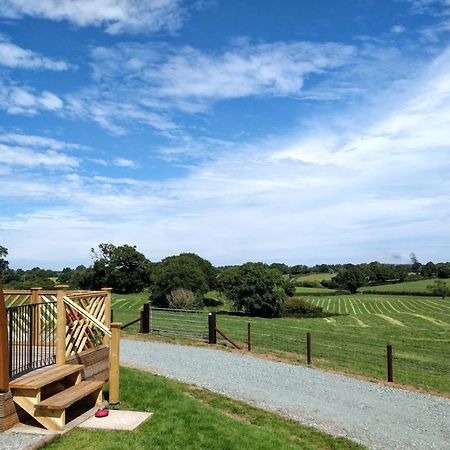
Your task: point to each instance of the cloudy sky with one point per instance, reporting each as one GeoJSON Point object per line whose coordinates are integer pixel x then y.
{"type": "Point", "coordinates": [301, 132]}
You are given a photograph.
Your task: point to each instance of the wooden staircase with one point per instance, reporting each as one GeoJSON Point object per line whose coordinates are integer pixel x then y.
{"type": "Point", "coordinates": [47, 393]}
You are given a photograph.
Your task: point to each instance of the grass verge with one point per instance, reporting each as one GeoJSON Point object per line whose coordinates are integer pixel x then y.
{"type": "Point", "coordinates": [188, 417]}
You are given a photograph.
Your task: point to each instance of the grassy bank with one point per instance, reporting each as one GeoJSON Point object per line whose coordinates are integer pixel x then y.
{"type": "Point", "coordinates": [187, 417]}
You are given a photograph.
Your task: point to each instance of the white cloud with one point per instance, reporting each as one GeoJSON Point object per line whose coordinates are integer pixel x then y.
{"type": "Point", "coordinates": [24, 100]}
{"type": "Point", "coordinates": [115, 110]}
{"type": "Point", "coordinates": [39, 141]}
{"type": "Point", "coordinates": [23, 157]}
{"type": "Point", "coordinates": [398, 29]}
{"type": "Point", "coordinates": [278, 69]}
{"type": "Point", "coordinates": [115, 16]}
{"type": "Point", "coordinates": [148, 83]}
{"type": "Point", "coordinates": [15, 57]}
{"type": "Point", "coordinates": [123, 162]}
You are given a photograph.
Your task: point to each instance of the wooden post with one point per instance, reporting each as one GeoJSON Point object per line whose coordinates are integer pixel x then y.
{"type": "Point", "coordinates": [308, 347]}
{"type": "Point", "coordinates": [36, 318]}
{"type": "Point", "coordinates": [212, 328]}
{"type": "Point", "coordinates": [4, 357]}
{"type": "Point", "coordinates": [61, 324]}
{"type": "Point", "coordinates": [390, 367]}
{"type": "Point", "coordinates": [108, 313]}
{"type": "Point", "coordinates": [249, 337]}
{"type": "Point", "coordinates": [114, 364]}
{"type": "Point", "coordinates": [145, 318]}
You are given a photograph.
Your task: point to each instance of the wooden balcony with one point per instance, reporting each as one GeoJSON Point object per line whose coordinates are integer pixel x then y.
{"type": "Point", "coordinates": [55, 349]}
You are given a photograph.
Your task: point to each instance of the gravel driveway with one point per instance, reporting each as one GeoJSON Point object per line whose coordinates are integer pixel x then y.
{"type": "Point", "coordinates": [374, 415]}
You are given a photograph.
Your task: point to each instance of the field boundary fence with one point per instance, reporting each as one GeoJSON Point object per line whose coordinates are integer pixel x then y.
{"type": "Point", "coordinates": [391, 360]}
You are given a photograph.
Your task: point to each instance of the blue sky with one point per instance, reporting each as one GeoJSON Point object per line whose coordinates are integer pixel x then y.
{"type": "Point", "coordinates": [302, 132]}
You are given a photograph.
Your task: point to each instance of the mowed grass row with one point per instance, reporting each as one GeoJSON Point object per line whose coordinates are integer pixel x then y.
{"type": "Point", "coordinates": [385, 304]}
{"type": "Point", "coordinates": [353, 342]}
{"type": "Point", "coordinates": [127, 307]}
{"type": "Point", "coordinates": [407, 286]}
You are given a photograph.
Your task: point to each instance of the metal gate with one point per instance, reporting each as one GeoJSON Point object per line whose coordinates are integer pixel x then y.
{"type": "Point", "coordinates": [31, 337]}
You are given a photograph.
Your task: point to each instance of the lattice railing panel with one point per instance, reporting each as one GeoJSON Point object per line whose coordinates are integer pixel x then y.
{"type": "Point", "coordinates": [81, 332]}
{"type": "Point", "coordinates": [17, 298]}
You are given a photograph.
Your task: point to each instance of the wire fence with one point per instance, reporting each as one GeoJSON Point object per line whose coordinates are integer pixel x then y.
{"type": "Point", "coordinates": [179, 322]}
{"type": "Point", "coordinates": [343, 349]}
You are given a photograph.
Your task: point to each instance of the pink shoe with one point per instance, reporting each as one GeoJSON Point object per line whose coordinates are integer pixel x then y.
{"type": "Point", "coordinates": [103, 412]}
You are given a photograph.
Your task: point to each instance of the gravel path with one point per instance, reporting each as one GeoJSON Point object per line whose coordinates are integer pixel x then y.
{"type": "Point", "coordinates": [374, 415]}
{"type": "Point", "coordinates": [18, 441]}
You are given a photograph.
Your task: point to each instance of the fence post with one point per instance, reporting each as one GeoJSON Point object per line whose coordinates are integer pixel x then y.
{"type": "Point", "coordinates": [145, 318]}
{"type": "Point", "coordinates": [108, 319]}
{"type": "Point", "coordinates": [308, 347]}
{"type": "Point", "coordinates": [150, 319]}
{"type": "Point", "coordinates": [390, 367]}
{"type": "Point", "coordinates": [212, 337]}
{"type": "Point", "coordinates": [4, 358]}
{"type": "Point", "coordinates": [61, 322]}
{"type": "Point", "coordinates": [114, 364]}
{"type": "Point", "coordinates": [249, 337]}
{"type": "Point", "coordinates": [36, 317]}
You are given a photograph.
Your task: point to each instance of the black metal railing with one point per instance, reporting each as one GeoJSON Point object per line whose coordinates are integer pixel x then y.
{"type": "Point", "coordinates": [31, 333]}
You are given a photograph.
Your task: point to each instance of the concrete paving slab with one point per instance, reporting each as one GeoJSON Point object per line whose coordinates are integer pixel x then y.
{"type": "Point", "coordinates": [117, 420]}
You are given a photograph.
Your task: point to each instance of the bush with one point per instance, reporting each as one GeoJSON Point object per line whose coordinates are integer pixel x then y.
{"type": "Point", "coordinates": [294, 307]}
{"type": "Point", "coordinates": [182, 299]}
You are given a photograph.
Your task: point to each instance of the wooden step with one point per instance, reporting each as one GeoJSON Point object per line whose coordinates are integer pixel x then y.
{"type": "Point", "coordinates": [47, 375]}
{"type": "Point", "coordinates": [52, 412]}
{"type": "Point", "coordinates": [69, 396]}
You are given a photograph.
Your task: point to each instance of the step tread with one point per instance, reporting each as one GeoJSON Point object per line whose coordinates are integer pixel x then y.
{"type": "Point", "coordinates": [47, 375]}
{"type": "Point", "coordinates": [69, 396]}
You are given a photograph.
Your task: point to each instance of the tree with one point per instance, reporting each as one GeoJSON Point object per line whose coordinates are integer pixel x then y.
{"type": "Point", "coordinates": [440, 289]}
{"type": "Point", "coordinates": [350, 278]}
{"type": "Point", "coordinates": [208, 269]}
{"type": "Point", "coordinates": [254, 288]}
{"type": "Point", "coordinates": [443, 270]}
{"type": "Point", "coordinates": [281, 267]}
{"type": "Point", "coordinates": [3, 261]}
{"type": "Point", "coordinates": [184, 271]}
{"type": "Point", "coordinates": [429, 270]}
{"type": "Point", "coordinates": [122, 268]}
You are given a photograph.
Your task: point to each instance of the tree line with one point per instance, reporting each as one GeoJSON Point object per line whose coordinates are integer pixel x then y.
{"type": "Point", "coordinates": [182, 281]}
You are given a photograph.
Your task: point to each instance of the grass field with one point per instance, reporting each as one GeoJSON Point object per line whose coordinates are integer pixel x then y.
{"type": "Point", "coordinates": [420, 286]}
{"type": "Point", "coordinates": [314, 277]}
{"type": "Point", "coordinates": [188, 417]}
{"type": "Point", "coordinates": [352, 341]}
{"type": "Point", "coordinates": [300, 290]}
{"type": "Point", "coordinates": [126, 308]}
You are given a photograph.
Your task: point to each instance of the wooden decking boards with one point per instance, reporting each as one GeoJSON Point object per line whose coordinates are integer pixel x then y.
{"type": "Point", "coordinates": [47, 375]}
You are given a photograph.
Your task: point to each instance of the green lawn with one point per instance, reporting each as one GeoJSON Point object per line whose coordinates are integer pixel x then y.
{"type": "Point", "coordinates": [186, 417]}
{"type": "Point", "coordinates": [419, 286]}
